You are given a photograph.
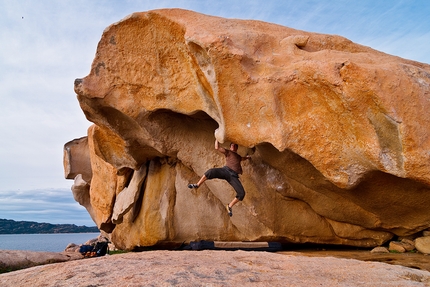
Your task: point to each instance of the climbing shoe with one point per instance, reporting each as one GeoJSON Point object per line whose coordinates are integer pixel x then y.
{"type": "Point", "coordinates": [230, 212]}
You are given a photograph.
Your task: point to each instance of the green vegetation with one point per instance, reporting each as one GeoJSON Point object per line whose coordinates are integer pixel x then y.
{"type": "Point", "coordinates": [113, 252]}
{"type": "Point", "coordinates": [6, 270]}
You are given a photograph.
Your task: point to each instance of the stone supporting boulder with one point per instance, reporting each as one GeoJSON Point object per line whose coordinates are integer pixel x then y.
{"type": "Point", "coordinates": [337, 132]}
{"type": "Point", "coordinates": [423, 244]}
{"type": "Point", "coordinates": [127, 198]}
{"type": "Point", "coordinates": [396, 247]}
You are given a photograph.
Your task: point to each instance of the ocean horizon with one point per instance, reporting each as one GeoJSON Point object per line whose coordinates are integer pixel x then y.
{"type": "Point", "coordinates": [55, 242]}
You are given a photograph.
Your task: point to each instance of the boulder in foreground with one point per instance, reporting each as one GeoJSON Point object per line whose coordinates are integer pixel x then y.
{"type": "Point", "coordinates": [219, 268]}
{"type": "Point", "coordinates": [19, 259]}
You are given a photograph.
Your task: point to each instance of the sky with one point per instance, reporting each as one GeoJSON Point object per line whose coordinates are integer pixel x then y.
{"type": "Point", "coordinates": [46, 45]}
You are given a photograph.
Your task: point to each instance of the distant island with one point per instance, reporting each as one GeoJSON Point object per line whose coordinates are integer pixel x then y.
{"type": "Point", "coordinates": [8, 226]}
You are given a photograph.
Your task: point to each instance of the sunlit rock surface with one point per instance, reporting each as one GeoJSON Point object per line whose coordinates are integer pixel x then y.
{"type": "Point", "coordinates": [338, 134]}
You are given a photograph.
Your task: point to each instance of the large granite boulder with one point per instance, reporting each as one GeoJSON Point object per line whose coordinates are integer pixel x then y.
{"type": "Point", "coordinates": [337, 132]}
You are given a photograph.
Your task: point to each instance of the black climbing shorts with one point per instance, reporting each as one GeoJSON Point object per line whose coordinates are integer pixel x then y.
{"type": "Point", "coordinates": [230, 176]}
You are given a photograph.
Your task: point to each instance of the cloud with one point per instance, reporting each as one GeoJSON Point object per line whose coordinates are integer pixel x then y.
{"type": "Point", "coordinates": [44, 205]}
{"type": "Point", "coordinates": [398, 27]}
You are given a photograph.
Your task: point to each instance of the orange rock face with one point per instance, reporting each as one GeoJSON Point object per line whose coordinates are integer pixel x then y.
{"type": "Point", "coordinates": [338, 133]}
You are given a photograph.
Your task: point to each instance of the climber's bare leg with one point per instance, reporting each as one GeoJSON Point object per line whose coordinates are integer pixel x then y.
{"type": "Point", "coordinates": [203, 179]}
{"type": "Point", "coordinates": [233, 202]}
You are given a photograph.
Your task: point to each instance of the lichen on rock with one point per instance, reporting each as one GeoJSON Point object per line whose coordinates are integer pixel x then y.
{"type": "Point", "coordinates": [337, 132]}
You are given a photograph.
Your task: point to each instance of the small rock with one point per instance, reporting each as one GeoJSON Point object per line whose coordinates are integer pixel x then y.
{"type": "Point", "coordinates": [112, 247]}
{"type": "Point", "coordinates": [426, 233]}
{"type": "Point", "coordinates": [91, 241]}
{"type": "Point", "coordinates": [408, 244]}
{"type": "Point", "coordinates": [379, 249]}
{"type": "Point", "coordinates": [396, 247]}
{"type": "Point", "coordinates": [71, 247]}
{"type": "Point", "coordinates": [422, 244]}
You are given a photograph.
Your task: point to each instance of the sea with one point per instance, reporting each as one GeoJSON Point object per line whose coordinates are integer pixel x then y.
{"type": "Point", "coordinates": [43, 242]}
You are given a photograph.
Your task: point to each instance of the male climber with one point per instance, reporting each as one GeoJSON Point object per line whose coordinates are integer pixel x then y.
{"type": "Point", "coordinates": [230, 172]}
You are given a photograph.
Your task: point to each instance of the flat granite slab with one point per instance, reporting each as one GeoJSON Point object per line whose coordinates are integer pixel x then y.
{"type": "Point", "coordinates": [215, 268]}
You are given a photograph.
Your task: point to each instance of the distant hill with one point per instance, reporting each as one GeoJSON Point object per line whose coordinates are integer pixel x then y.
{"type": "Point", "coordinates": [8, 226]}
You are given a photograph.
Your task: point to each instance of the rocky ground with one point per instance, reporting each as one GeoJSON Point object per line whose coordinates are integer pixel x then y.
{"type": "Point", "coordinates": [230, 268]}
